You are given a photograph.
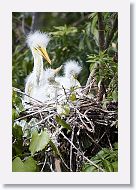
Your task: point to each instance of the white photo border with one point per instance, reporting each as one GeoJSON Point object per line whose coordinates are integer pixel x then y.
{"type": "Point", "coordinates": [123, 174]}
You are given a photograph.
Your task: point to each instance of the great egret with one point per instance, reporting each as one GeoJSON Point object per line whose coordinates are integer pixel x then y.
{"type": "Point", "coordinates": [37, 42]}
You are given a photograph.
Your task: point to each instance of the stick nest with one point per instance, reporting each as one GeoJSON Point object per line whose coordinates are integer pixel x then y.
{"type": "Point", "coordinates": [78, 136]}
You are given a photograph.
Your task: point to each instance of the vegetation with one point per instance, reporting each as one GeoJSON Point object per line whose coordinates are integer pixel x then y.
{"type": "Point", "coordinates": [86, 139]}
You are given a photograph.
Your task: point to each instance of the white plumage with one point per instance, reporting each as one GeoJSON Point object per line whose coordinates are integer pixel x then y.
{"type": "Point", "coordinates": [37, 38]}
{"type": "Point", "coordinates": [68, 85]}
{"type": "Point", "coordinates": [44, 85]}
{"type": "Point", "coordinates": [72, 68]}
{"type": "Point", "coordinates": [37, 42]}
{"type": "Point", "coordinates": [49, 88]}
{"type": "Point", "coordinates": [69, 81]}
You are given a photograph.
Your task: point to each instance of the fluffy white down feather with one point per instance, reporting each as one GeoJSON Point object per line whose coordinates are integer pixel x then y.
{"type": "Point", "coordinates": [36, 81]}
{"type": "Point", "coordinates": [47, 88]}
{"type": "Point", "coordinates": [37, 38]}
{"type": "Point", "coordinates": [71, 70]}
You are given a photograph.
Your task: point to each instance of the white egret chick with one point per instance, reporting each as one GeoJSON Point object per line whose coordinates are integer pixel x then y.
{"type": "Point", "coordinates": [70, 87]}
{"type": "Point", "coordinates": [37, 42]}
{"type": "Point", "coordinates": [49, 91]}
{"type": "Point", "coordinates": [69, 80]}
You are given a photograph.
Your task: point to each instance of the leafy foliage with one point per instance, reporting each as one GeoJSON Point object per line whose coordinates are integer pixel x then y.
{"type": "Point", "coordinates": [38, 141]}
{"type": "Point", "coordinates": [28, 165]}
{"type": "Point", "coordinates": [73, 36]}
{"type": "Point", "coordinates": [106, 159]}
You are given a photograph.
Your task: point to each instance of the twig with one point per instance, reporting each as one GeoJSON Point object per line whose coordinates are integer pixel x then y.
{"type": "Point", "coordinates": [19, 91]}
{"type": "Point", "coordinates": [71, 147]}
{"type": "Point", "coordinates": [92, 163]}
{"type": "Point", "coordinates": [44, 162]}
{"type": "Point", "coordinates": [33, 21]}
{"type": "Point", "coordinates": [109, 142]}
{"type": "Point", "coordinates": [90, 78]}
{"type": "Point", "coordinates": [94, 141]}
{"type": "Point", "coordinates": [57, 165]}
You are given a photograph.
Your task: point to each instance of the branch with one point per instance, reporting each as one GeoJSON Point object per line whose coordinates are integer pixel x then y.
{"type": "Point", "coordinates": [111, 34]}
{"type": "Point", "coordinates": [101, 32]}
{"type": "Point", "coordinates": [89, 80]}
{"type": "Point", "coordinates": [85, 158]}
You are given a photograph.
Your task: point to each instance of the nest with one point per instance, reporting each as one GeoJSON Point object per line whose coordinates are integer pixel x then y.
{"type": "Point", "coordinates": [77, 136]}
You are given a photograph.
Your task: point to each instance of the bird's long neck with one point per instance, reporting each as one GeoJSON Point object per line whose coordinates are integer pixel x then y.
{"type": "Point", "coordinates": [38, 68]}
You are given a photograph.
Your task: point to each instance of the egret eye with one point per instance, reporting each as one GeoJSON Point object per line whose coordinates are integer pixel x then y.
{"type": "Point", "coordinates": [35, 49]}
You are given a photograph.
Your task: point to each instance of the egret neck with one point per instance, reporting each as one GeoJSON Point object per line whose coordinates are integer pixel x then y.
{"type": "Point", "coordinates": [38, 68]}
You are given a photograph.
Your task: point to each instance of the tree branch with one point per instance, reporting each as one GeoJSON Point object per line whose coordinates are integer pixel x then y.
{"type": "Point", "coordinates": [111, 34]}
{"type": "Point", "coordinates": [101, 32]}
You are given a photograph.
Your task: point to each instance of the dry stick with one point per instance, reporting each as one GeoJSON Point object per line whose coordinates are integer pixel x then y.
{"type": "Point", "coordinates": [23, 25]}
{"type": "Point", "coordinates": [60, 154]}
{"type": "Point", "coordinates": [23, 117]}
{"type": "Point", "coordinates": [109, 142]}
{"type": "Point", "coordinates": [94, 141]}
{"type": "Point", "coordinates": [57, 165]}
{"type": "Point", "coordinates": [80, 114]}
{"type": "Point", "coordinates": [100, 139]}
{"type": "Point", "coordinates": [91, 123]}
{"type": "Point", "coordinates": [100, 109]}
{"type": "Point", "coordinates": [82, 153]}
{"type": "Point", "coordinates": [19, 91]}
{"type": "Point", "coordinates": [33, 21]}
{"type": "Point", "coordinates": [90, 130]}
{"type": "Point", "coordinates": [91, 76]}
{"type": "Point", "coordinates": [18, 21]}
{"type": "Point", "coordinates": [44, 162]}
{"type": "Point", "coordinates": [71, 147]}
{"type": "Point", "coordinates": [43, 120]}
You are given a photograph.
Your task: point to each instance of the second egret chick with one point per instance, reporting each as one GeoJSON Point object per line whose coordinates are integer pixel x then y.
{"type": "Point", "coordinates": [69, 80]}
{"type": "Point", "coordinates": [48, 91]}
{"type": "Point", "coordinates": [70, 87]}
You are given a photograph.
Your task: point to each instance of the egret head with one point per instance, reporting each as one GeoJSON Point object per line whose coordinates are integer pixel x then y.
{"type": "Point", "coordinates": [50, 74]}
{"type": "Point", "coordinates": [72, 68]}
{"type": "Point", "coordinates": [38, 41]}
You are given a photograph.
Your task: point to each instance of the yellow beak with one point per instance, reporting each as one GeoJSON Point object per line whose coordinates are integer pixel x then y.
{"type": "Point", "coordinates": [45, 55]}
{"type": "Point", "coordinates": [58, 69]}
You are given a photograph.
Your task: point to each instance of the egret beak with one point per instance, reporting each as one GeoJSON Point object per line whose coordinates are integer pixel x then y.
{"type": "Point", "coordinates": [45, 55]}
{"type": "Point", "coordinates": [58, 69]}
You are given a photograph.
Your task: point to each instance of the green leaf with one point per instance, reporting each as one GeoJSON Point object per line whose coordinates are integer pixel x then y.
{"type": "Point", "coordinates": [63, 123]}
{"type": "Point", "coordinates": [115, 166]}
{"type": "Point", "coordinates": [54, 148]}
{"type": "Point", "coordinates": [106, 159]}
{"type": "Point", "coordinates": [28, 165]}
{"type": "Point", "coordinates": [115, 95]}
{"type": "Point", "coordinates": [39, 141]}
{"type": "Point", "coordinates": [66, 109]}
{"type": "Point", "coordinates": [72, 97]}
{"type": "Point", "coordinates": [108, 166]}
{"type": "Point", "coordinates": [90, 168]}
{"type": "Point", "coordinates": [17, 131]}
